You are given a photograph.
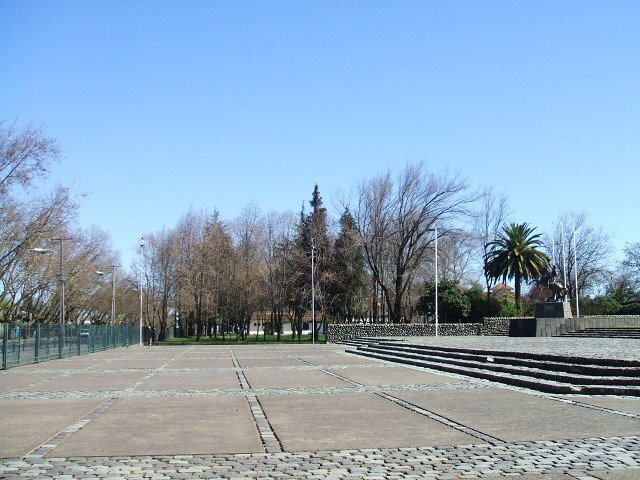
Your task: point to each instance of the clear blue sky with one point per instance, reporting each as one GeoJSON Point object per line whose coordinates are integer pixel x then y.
{"type": "Point", "coordinates": [162, 106]}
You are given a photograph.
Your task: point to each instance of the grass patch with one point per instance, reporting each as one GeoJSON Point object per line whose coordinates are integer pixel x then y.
{"type": "Point", "coordinates": [233, 339]}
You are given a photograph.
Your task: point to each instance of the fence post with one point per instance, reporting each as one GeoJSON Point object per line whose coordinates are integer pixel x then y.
{"type": "Point", "coordinates": [37, 346]}
{"type": "Point", "coordinates": [61, 341]}
{"type": "Point", "coordinates": [5, 344]}
{"type": "Point", "coordinates": [79, 336]}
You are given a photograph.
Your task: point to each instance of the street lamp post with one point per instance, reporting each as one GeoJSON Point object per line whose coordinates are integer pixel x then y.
{"type": "Point", "coordinates": [575, 269]}
{"type": "Point", "coordinates": [141, 251]}
{"type": "Point", "coordinates": [313, 294]}
{"type": "Point", "coordinates": [61, 279]}
{"type": "Point", "coordinates": [113, 299]}
{"type": "Point", "coordinates": [435, 230]}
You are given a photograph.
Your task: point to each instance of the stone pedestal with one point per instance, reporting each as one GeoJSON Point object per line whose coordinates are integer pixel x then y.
{"type": "Point", "coordinates": [551, 320]}
{"type": "Point", "coordinates": [553, 310]}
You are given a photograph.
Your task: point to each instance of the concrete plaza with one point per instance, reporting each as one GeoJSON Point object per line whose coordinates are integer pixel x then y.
{"type": "Point", "coordinates": [302, 411]}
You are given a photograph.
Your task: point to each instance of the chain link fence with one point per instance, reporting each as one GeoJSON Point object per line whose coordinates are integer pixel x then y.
{"type": "Point", "coordinates": [24, 343]}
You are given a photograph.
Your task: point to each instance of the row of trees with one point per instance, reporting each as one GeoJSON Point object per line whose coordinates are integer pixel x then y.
{"type": "Point", "coordinates": [30, 220]}
{"type": "Point", "coordinates": [374, 262]}
{"type": "Point", "coordinates": [221, 276]}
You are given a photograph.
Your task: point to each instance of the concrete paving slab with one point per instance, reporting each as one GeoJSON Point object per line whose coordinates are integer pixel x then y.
{"type": "Point", "coordinates": [261, 351]}
{"type": "Point", "coordinates": [322, 349]}
{"type": "Point", "coordinates": [185, 380]}
{"type": "Point", "coordinates": [72, 363]}
{"type": "Point", "coordinates": [342, 359]}
{"type": "Point", "coordinates": [140, 364]}
{"type": "Point", "coordinates": [166, 419]}
{"type": "Point", "coordinates": [27, 423]}
{"type": "Point", "coordinates": [292, 379]}
{"type": "Point", "coordinates": [208, 352]}
{"type": "Point", "coordinates": [630, 474]}
{"type": "Point", "coordinates": [12, 380]}
{"type": "Point", "coordinates": [200, 362]}
{"type": "Point", "coordinates": [88, 381]}
{"type": "Point", "coordinates": [301, 423]}
{"type": "Point", "coordinates": [280, 361]}
{"type": "Point", "coordinates": [622, 404]}
{"type": "Point", "coordinates": [385, 375]}
{"type": "Point", "coordinates": [517, 416]}
{"type": "Point", "coordinates": [160, 426]}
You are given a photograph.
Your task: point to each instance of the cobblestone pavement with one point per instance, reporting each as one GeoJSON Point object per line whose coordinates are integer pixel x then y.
{"type": "Point", "coordinates": [581, 459]}
{"type": "Point", "coordinates": [328, 373]}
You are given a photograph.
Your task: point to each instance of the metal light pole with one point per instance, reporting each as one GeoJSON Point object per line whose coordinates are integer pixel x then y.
{"type": "Point", "coordinates": [313, 294]}
{"type": "Point", "coordinates": [575, 268]}
{"type": "Point", "coordinates": [435, 230]}
{"type": "Point", "coordinates": [564, 263]}
{"type": "Point", "coordinates": [113, 291]}
{"type": "Point", "coordinates": [142, 252]}
{"type": "Point", "coordinates": [436, 235]}
{"type": "Point", "coordinates": [61, 280]}
{"type": "Point", "coordinates": [113, 300]}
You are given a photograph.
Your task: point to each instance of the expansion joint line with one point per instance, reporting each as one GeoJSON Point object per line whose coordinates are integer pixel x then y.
{"type": "Point", "coordinates": [154, 372]}
{"type": "Point", "coordinates": [269, 438]}
{"type": "Point", "coordinates": [56, 440]}
{"type": "Point", "coordinates": [591, 407]}
{"type": "Point", "coordinates": [416, 409]}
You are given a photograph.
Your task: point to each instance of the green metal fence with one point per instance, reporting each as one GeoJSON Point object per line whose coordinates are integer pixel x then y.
{"type": "Point", "coordinates": [24, 343]}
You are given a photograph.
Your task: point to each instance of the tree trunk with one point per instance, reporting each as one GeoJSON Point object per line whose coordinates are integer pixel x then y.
{"type": "Point", "coordinates": [517, 288]}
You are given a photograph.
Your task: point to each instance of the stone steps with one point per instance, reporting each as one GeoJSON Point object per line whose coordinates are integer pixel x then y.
{"type": "Point", "coordinates": [631, 332]}
{"type": "Point", "coordinates": [547, 373]}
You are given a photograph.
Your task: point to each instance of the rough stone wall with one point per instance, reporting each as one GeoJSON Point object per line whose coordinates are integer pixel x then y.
{"type": "Point", "coordinates": [497, 325]}
{"type": "Point", "coordinates": [608, 321]}
{"type": "Point", "coordinates": [490, 326]}
{"type": "Point", "coordinates": [340, 332]}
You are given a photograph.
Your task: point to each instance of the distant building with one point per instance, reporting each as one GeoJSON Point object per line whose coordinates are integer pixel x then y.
{"type": "Point", "coordinates": [501, 290]}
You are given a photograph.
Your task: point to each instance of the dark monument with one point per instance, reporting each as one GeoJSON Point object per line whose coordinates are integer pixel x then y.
{"type": "Point", "coordinates": [550, 316]}
{"type": "Point", "coordinates": [556, 305]}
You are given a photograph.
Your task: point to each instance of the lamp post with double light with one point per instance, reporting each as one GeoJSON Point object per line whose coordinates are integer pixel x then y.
{"type": "Point", "coordinates": [61, 279]}
{"type": "Point", "coordinates": [113, 299]}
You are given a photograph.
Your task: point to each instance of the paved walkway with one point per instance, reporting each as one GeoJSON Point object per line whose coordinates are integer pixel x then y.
{"type": "Point", "coordinates": [286, 411]}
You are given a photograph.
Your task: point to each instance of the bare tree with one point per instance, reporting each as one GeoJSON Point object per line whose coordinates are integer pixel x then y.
{"type": "Point", "coordinates": [395, 219]}
{"type": "Point", "coordinates": [493, 212]}
{"type": "Point", "coordinates": [631, 263]}
{"type": "Point", "coordinates": [27, 221]}
{"type": "Point", "coordinates": [160, 262]}
{"type": "Point", "coordinates": [191, 268]}
{"type": "Point", "coordinates": [248, 273]}
{"type": "Point", "coordinates": [593, 252]}
{"type": "Point", "coordinates": [24, 155]}
{"type": "Point", "coordinates": [456, 253]}
{"type": "Point", "coordinates": [279, 229]}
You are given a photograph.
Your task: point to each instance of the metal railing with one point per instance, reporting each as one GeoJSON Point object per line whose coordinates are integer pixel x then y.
{"type": "Point", "coordinates": [24, 343]}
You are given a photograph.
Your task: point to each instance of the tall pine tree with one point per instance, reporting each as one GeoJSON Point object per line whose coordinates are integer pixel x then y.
{"type": "Point", "coordinates": [347, 289]}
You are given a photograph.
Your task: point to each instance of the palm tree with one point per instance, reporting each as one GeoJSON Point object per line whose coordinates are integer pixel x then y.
{"type": "Point", "coordinates": [515, 253]}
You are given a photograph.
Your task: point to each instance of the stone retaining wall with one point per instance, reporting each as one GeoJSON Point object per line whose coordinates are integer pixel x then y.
{"type": "Point", "coordinates": [490, 326]}
{"type": "Point", "coordinates": [609, 321]}
{"type": "Point", "coordinates": [340, 332]}
{"type": "Point", "coordinates": [497, 325]}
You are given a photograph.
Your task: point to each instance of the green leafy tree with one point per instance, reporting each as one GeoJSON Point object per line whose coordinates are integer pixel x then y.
{"type": "Point", "coordinates": [453, 305]}
{"type": "Point", "coordinates": [516, 254]}
{"type": "Point", "coordinates": [481, 306]}
{"type": "Point", "coordinates": [312, 234]}
{"type": "Point", "coordinates": [347, 279]}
